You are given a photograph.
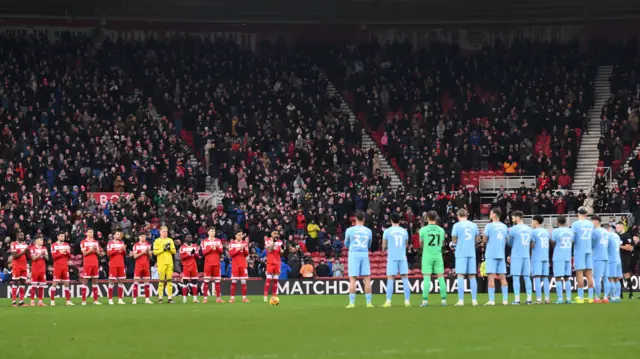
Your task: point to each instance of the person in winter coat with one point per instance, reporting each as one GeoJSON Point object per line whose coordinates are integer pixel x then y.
{"type": "Point", "coordinates": [118, 185]}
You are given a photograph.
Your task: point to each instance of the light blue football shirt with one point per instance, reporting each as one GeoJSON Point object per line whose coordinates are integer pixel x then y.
{"type": "Point", "coordinates": [396, 238]}
{"type": "Point", "coordinates": [583, 231]}
{"type": "Point", "coordinates": [540, 238]}
{"type": "Point", "coordinates": [358, 239]}
{"type": "Point", "coordinates": [600, 243]}
{"type": "Point", "coordinates": [614, 248]}
{"type": "Point", "coordinates": [520, 241]}
{"type": "Point", "coordinates": [563, 238]}
{"type": "Point", "coordinates": [466, 231]}
{"type": "Point", "coordinates": [496, 233]}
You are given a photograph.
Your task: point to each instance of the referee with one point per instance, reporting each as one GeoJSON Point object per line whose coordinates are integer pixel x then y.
{"type": "Point", "coordinates": [627, 256]}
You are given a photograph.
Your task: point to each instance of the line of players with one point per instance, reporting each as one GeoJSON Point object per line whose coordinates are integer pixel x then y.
{"type": "Point", "coordinates": [210, 248]}
{"type": "Point", "coordinates": [595, 248]}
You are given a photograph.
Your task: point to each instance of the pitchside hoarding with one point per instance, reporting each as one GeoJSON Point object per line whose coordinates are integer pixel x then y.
{"type": "Point", "coordinates": [305, 287]}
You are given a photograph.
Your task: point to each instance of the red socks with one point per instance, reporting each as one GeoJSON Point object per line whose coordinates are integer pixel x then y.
{"type": "Point", "coordinates": [244, 289]}
{"type": "Point", "coordinates": [267, 284]}
{"type": "Point", "coordinates": [146, 291]}
{"type": "Point", "coordinates": [185, 290]}
{"type": "Point", "coordinates": [205, 289]}
{"type": "Point", "coordinates": [95, 294]}
{"type": "Point", "coordinates": [52, 293]}
{"type": "Point", "coordinates": [275, 288]}
{"type": "Point", "coordinates": [233, 289]}
{"type": "Point", "coordinates": [83, 291]}
{"type": "Point", "coordinates": [218, 289]}
{"type": "Point", "coordinates": [120, 291]}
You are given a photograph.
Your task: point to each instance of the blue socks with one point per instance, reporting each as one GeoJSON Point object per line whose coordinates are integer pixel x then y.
{"type": "Point", "coordinates": [547, 288]}
{"type": "Point", "coordinates": [368, 298]}
{"type": "Point", "coordinates": [536, 283]}
{"type": "Point", "coordinates": [352, 298]}
{"type": "Point", "coordinates": [527, 286]}
{"type": "Point", "coordinates": [559, 290]}
{"type": "Point", "coordinates": [581, 292]}
{"type": "Point", "coordinates": [516, 287]}
{"type": "Point", "coordinates": [567, 289]}
{"type": "Point", "coordinates": [390, 289]}
{"type": "Point", "coordinates": [606, 286]}
{"type": "Point", "coordinates": [598, 287]}
{"type": "Point", "coordinates": [473, 283]}
{"type": "Point", "coordinates": [460, 289]}
{"type": "Point", "coordinates": [407, 288]}
{"type": "Point", "coordinates": [618, 289]}
{"type": "Point", "coordinates": [505, 293]}
{"type": "Point", "coordinates": [492, 294]}
{"type": "Point", "coordinates": [590, 290]}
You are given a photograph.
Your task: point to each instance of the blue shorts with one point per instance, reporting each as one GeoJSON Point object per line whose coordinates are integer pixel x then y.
{"type": "Point", "coordinates": [359, 265]}
{"type": "Point", "coordinates": [466, 265]}
{"type": "Point", "coordinates": [561, 268]}
{"type": "Point", "coordinates": [540, 268]}
{"type": "Point", "coordinates": [615, 270]}
{"type": "Point", "coordinates": [496, 266]}
{"type": "Point", "coordinates": [395, 267]}
{"type": "Point", "coordinates": [600, 268]}
{"type": "Point", "coordinates": [521, 266]}
{"type": "Point", "coordinates": [583, 261]}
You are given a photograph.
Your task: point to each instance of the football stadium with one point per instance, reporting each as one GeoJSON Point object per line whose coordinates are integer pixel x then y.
{"type": "Point", "coordinates": [306, 179]}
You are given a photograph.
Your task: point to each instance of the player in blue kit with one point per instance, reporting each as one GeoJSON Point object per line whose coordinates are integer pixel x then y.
{"type": "Point", "coordinates": [540, 260]}
{"type": "Point", "coordinates": [600, 246]}
{"type": "Point", "coordinates": [615, 264]}
{"type": "Point", "coordinates": [520, 243]}
{"type": "Point", "coordinates": [358, 240]}
{"type": "Point", "coordinates": [495, 239]}
{"type": "Point", "coordinates": [562, 238]}
{"type": "Point", "coordinates": [394, 241]}
{"type": "Point", "coordinates": [582, 253]}
{"type": "Point", "coordinates": [464, 235]}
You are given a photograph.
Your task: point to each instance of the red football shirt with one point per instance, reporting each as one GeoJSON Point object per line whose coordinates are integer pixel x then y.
{"type": "Point", "coordinates": [239, 252]}
{"type": "Point", "coordinates": [116, 251]}
{"type": "Point", "coordinates": [19, 262]}
{"type": "Point", "coordinates": [188, 260]}
{"type": "Point", "coordinates": [37, 265]}
{"type": "Point", "coordinates": [273, 257]}
{"type": "Point", "coordinates": [92, 258]}
{"type": "Point", "coordinates": [211, 249]}
{"type": "Point", "coordinates": [142, 261]}
{"type": "Point", "coordinates": [61, 254]}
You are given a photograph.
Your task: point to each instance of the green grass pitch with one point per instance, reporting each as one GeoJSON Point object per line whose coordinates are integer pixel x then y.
{"type": "Point", "coordinates": [319, 327]}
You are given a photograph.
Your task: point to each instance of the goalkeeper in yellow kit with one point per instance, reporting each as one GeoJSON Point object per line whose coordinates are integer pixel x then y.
{"type": "Point", "coordinates": [164, 249]}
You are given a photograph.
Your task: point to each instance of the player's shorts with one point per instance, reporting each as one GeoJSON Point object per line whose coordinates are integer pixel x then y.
{"type": "Point", "coordinates": [116, 273]}
{"type": "Point", "coordinates": [19, 273]}
{"type": "Point", "coordinates": [211, 271]}
{"type": "Point", "coordinates": [615, 270]}
{"type": "Point", "coordinates": [521, 266]}
{"type": "Point", "coordinates": [432, 265]}
{"type": "Point", "coordinates": [583, 261]}
{"type": "Point", "coordinates": [61, 274]}
{"type": "Point", "coordinates": [359, 265]}
{"type": "Point", "coordinates": [90, 271]}
{"type": "Point", "coordinates": [395, 267]}
{"type": "Point", "coordinates": [142, 273]}
{"type": "Point", "coordinates": [540, 268]}
{"type": "Point", "coordinates": [561, 268]}
{"type": "Point", "coordinates": [190, 272]}
{"type": "Point", "coordinates": [600, 268]}
{"type": "Point", "coordinates": [496, 266]}
{"type": "Point", "coordinates": [627, 264]}
{"type": "Point", "coordinates": [38, 278]}
{"type": "Point", "coordinates": [239, 272]}
{"type": "Point", "coordinates": [165, 272]}
{"type": "Point", "coordinates": [273, 269]}
{"type": "Point", "coordinates": [466, 265]}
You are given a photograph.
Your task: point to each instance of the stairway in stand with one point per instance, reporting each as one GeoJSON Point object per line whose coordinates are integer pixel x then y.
{"type": "Point", "coordinates": [588, 154]}
{"type": "Point", "coordinates": [367, 141]}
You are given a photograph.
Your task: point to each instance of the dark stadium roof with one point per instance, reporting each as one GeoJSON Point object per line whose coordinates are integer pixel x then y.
{"type": "Point", "coordinates": [331, 11]}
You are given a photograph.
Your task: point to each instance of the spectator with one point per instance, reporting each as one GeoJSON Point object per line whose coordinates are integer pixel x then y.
{"type": "Point", "coordinates": [338, 268]}
{"type": "Point", "coordinates": [322, 270]}
{"type": "Point", "coordinates": [284, 270]}
{"type": "Point", "coordinates": [307, 270]}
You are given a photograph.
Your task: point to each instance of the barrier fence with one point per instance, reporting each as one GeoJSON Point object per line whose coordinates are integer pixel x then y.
{"type": "Point", "coordinates": [322, 286]}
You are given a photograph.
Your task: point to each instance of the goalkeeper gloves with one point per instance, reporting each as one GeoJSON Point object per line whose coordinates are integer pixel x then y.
{"type": "Point", "coordinates": [193, 252]}
{"type": "Point", "coordinates": [167, 246]}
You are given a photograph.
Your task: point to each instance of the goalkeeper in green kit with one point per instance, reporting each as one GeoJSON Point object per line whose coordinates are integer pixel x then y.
{"type": "Point", "coordinates": [431, 241]}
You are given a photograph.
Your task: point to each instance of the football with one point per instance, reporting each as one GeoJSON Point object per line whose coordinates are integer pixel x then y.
{"type": "Point", "coordinates": [274, 301]}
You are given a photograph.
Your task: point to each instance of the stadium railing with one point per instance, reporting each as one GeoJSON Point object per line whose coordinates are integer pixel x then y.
{"type": "Point", "coordinates": [495, 183]}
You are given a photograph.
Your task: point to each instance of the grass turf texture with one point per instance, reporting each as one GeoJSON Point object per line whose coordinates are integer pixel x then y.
{"type": "Point", "coordinates": [319, 327]}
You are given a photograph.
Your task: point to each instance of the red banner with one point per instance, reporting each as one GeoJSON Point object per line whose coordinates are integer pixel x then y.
{"type": "Point", "coordinates": [104, 197]}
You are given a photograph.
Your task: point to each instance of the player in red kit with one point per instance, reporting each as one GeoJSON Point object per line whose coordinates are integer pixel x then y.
{"type": "Point", "coordinates": [116, 250]}
{"type": "Point", "coordinates": [239, 250]}
{"type": "Point", "coordinates": [90, 250]}
{"type": "Point", "coordinates": [19, 252]}
{"type": "Point", "coordinates": [39, 256]}
{"type": "Point", "coordinates": [274, 248]}
{"type": "Point", "coordinates": [212, 249]}
{"type": "Point", "coordinates": [189, 251]}
{"type": "Point", "coordinates": [141, 253]}
{"type": "Point", "coordinates": [61, 252]}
